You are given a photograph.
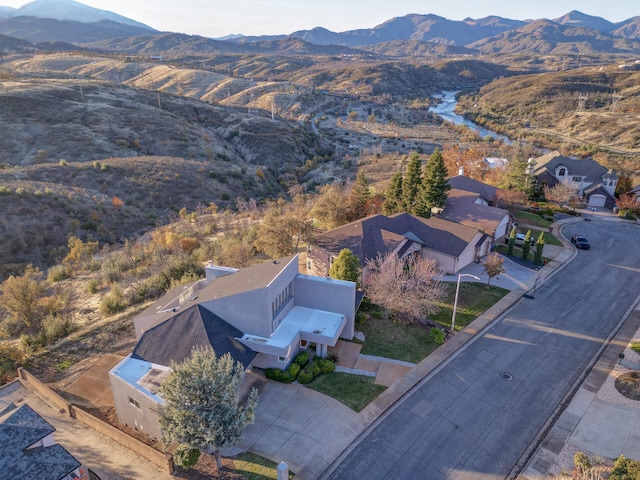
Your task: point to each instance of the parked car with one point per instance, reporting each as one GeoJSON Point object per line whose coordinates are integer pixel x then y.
{"type": "Point", "coordinates": [520, 239]}
{"type": "Point", "coordinates": [580, 242]}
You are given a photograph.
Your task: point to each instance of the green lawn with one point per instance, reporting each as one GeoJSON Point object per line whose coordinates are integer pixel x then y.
{"type": "Point", "coordinates": [386, 338]}
{"type": "Point", "coordinates": [355, 391]}
{"type": "Point", "coordinates": [532, 219]}
{"type": "Point", "coordinates": [255, 467]}
{"type": "Point", "coordinates": [473, 300]}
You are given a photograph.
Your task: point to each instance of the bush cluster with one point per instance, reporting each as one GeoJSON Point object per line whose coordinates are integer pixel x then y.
{"type": "Point", "coordinates": [301, 369]}
{"type": "Point", "coordinates": [437, 335]}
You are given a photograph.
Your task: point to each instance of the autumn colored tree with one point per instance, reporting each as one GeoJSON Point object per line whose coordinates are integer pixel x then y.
{"type": "Point", "coordinates": [330, 207]}
{"type": "Point", "coordinates": [510, 198]}
{"type": "Point", "coordinates": [80, 253]}
{"type": "Point", "coordinates": [282, 229]}
{"type": "Point", "coordinates": [493, 266]}
{"type": "Point", "coordinates": [628, 203]}
{"type": "Point", "coordinates": [21, 297]}
{"type": "Point", "coordinates": [408, 289]}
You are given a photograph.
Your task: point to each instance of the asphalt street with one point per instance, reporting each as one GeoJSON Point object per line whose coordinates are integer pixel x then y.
{"type": "Point", "coordinates": [476, 416]}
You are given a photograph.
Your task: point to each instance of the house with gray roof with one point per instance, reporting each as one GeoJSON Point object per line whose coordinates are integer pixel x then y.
{"type": "Point", "coordinates": [262, 316]}
{"type": "Point", "coordinates": [486, 194]}
{"type": "Point", "coordinates": [472, 209]}
{"type": "Point", "coordinates": [29, 450]}
{"type": "Point", "coordinates": [595, 183]}
{"type": "Point", "coordinates": [452, 245]}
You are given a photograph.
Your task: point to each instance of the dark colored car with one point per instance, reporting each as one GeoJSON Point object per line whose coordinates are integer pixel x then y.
{"type": "Point", "coordinates": [580, 242]}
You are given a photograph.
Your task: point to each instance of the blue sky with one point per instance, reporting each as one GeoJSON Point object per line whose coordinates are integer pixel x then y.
{"type": "Point", "coordinates": [216, 18]}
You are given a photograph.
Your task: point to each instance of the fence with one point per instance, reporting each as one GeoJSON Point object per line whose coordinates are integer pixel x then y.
{"type": "Point", "coordinates": [163, 461]}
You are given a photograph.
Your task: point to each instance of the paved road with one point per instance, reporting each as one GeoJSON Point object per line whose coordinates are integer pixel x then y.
{"type": "Point", "coordinates": [476, 416]}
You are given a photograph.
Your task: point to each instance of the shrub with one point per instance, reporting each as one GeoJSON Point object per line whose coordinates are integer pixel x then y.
{"type": "Point", "coordinates": [57, 327]}
{"type": "Point", "coordinates": [305, 377]}
{"type": "Point", "coordinates": [57, 273]}
{"type": "Point", "coordinates": [293, 370]}
{"type": "Point", "coordinates": [325, 365]}
{"type": "Point", "coordinates": [63, 162]}
{"type": "Point", "coordinates": [185, 456]}
{"type": "Point", "coordinates": [437, 335]}
{"type": "Point", "coordinates": [302, 358]}
{"type": "Point", "coordinates": [92, 286]}
{"type": "Point", "coordinates": [625, 469]}
{"type": "Point", "coordinates": [5, 190]}
{"type": "Point", "coordinates": [279, 375]}
{"type": "Point", "coordinates": [11, 357]}
{"type": "Point", "coordinates": [113, 302]}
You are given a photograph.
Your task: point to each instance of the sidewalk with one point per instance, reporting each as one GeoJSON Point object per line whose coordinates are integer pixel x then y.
{"type": "Point", "coordinates": [599, 421]}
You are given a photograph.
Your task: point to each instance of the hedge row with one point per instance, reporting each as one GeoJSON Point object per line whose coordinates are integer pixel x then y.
{"type": "Point", "coordinates": [301, 369]}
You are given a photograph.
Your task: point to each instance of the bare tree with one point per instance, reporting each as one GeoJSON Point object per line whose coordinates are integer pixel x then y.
{"type": "Point", "coordinates": [494, 266]}
{"type": "Point", "coordinates": [560, 193]}
{"type": "Point", "coordinates": [406, 288]}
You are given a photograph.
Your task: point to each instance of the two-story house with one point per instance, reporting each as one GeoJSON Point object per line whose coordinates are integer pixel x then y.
{"type": "Point", "coordinates": [262, 316]}
{"type": "Point", "coordinates": [591, 180]}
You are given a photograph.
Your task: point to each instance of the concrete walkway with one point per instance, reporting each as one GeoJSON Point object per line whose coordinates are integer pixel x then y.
{"type": "Point", "coordinates": [106, 458]}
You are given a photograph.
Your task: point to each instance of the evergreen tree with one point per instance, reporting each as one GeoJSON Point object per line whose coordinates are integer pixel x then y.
{"type": "Point", "coordinates": [517, 177]}
{"type": "Point", "coordinates": [512, 241]}
{"type": "Point", "coordinates": [537, 255]}
{"type": "Point", "coordinates": [434, 183]}
{"type": "Point", "coordinates": [393, 202]}
{"type": "Point", "coordinates": [201, 408]}
{"type": "Point", "coordinates": [346, 267]}
{"type": "Point", "coordinates": [411, 183]}
{"type": "Point", "coordinates": [526, 245]}
{"type": "Point", "coordinates": [359, 198]}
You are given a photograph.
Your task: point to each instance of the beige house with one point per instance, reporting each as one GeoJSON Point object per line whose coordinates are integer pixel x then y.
{"type": "Point", "coordinates": [452, 245]}
{"type": "Point", "coordinates": [262, 316]}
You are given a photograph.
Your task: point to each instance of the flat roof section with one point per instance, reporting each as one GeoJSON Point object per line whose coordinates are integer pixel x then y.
{"type": "Point", "coordinates": [144, 376]}
{"type": "Point", "coordinates": [312, 325]}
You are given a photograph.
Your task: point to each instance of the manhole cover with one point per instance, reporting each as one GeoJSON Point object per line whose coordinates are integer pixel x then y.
{"type": "Point", "coordinates": [506, 376]}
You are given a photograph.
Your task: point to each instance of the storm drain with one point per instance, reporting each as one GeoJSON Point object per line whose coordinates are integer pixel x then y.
{"type": "Point", "coordinates": [506, 376]}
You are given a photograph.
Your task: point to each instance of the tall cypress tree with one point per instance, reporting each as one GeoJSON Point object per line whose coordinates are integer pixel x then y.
{"type": "Point", "coordinates": [411, 184]}
{"type": "Point", "coordinates": [393, 202]}
{"type": "Point", "coordinates": [434, 183]}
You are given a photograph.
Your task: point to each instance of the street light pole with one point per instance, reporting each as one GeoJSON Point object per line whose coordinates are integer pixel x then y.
{"type": "Point", "coordinates": [455, 302]}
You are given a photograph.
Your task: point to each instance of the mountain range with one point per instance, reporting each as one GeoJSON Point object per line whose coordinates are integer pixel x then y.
{"type": "Point", "coordinates": [74, 23]}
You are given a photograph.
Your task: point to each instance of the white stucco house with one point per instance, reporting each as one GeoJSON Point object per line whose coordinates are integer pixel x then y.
{"type": "Point", "coordinates": [262, 316]}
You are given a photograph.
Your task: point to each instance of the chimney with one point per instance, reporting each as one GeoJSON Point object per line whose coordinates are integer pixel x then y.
{"type": "Point", "coordinates": [461, 171]}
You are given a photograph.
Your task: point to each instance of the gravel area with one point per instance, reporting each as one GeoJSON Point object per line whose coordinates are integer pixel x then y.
{"type": "Point", "coordinates": [563, 466]}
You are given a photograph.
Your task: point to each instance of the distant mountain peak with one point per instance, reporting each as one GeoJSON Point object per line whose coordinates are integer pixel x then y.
{"type": "Point", "coordinates": [72, 10]}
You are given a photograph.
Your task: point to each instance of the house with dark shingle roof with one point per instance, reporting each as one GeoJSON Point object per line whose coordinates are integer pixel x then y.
{"type": "Point", "coordinates": [472, 209]}
{"type": "Point", "coordinates": [28, 449]}
{"type": "Point", "coordinates": [486, 193]}
{"type": "Point", "coordinates": [262, 316]}
{"type": "Point", "coordinates": [452, 245]}
{"type": "Point", "coordinates": [591, 180]}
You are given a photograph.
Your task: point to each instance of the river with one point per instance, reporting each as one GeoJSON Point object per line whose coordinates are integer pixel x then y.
{"type": "Point", "coordinates": [446, 110]}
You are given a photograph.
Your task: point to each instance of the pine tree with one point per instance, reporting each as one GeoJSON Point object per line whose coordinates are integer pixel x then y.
{"type": "Point", "coordinates": [201, 408]}
{"type": "Point", "coordinates": [359, 198]}
{"type": "Point", "coordinates": [393, 202]}
{"type": "Point", "coordinates": [346, 267]}
{"type": "Point", "coordinates": [411, 183]}
{"type": "Point", "coordinates": [434, 183]}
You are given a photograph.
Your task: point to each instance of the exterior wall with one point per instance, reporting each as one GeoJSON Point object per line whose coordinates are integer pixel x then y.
{"type": "Point", "coordinates": [329, 295]}
{"type": "Point", "coordinates": [501, 229]}
{"type": "Point", "coordinates": [318, 259]}
{"type": "Point", "coordinates": [249, 312]}
{"type": "Point", "coordinates": [450, 264]}
{"type": "Point", "coordinates": [144, 418]}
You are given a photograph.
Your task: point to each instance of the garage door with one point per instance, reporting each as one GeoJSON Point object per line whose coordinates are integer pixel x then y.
{"type": "Point", "coordinates": [597, 200]}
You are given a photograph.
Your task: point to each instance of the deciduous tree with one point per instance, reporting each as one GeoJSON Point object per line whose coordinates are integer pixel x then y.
{"type": "Point", "coordinates": [561, 193]}
{"type": "Point", "coordinates": [494, 266]}
{"type": "Point", "coordinates": [201, 408]}
{"type": "Point", "coordinates": [330, 208]}
{"type": "Point", "coordinates": [21, 297]}
{"type": "Point", "coordinates": [408, 289]}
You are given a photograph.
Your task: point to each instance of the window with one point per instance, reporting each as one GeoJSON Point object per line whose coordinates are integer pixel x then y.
{"type": "Point", "coordinates": [308, 264]}
{"type": "Point", "coordinates": [134, 402]}
{"type": "Point", "coordinates": [562, 172]}
{"type": "Point", "coordinates": [576, 179]}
